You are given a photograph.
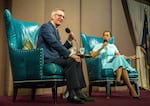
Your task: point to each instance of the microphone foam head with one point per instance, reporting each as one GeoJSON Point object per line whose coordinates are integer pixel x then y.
{"type": "Point", "coordinates": [105, 41]}
{"type": "Point", "coordinates": [67, 30]}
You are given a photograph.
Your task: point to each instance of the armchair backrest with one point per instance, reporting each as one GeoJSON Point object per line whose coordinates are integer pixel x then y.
{"type": "Point", "coordinates": [18, 31]}
{"type": "Point", "coordinates": [89, 41]}
{"type": "Point", "coordinates": [25, 64]}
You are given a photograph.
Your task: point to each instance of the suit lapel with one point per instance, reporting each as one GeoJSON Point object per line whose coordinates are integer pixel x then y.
{"type": "Point", "coordinates": [56, 33]}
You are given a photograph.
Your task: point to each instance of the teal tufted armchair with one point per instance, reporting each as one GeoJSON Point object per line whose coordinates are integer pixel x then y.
{"type": "Point", "coordinates": [28, 68]}
{"type": "Point", "coordinates": [97, 75]}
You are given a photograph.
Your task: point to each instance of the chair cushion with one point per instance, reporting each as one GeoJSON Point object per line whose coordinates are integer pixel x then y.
{"type": "Point", "coordinates": [107, 72]}
{"type": "Point", "coordinates": [110, 73]}
{"type": "Point", "coordinates": [133, 74]}
{"type": "Point", "coordinates": [50, 69]}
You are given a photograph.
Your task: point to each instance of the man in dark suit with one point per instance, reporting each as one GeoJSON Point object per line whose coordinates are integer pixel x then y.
{"type": "Point", "coordinates": [58, 53]}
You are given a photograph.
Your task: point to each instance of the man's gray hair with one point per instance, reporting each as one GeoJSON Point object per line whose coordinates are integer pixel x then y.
{"type": "Point", "coordinates": [55, 10]}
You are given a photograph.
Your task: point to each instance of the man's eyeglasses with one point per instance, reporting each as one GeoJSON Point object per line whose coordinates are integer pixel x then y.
{"type": "Point", "coordinates": [61, 16]}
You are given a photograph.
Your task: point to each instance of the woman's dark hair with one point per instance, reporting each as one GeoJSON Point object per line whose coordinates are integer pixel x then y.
{"type": "Point", "coordinates": [109, 32]}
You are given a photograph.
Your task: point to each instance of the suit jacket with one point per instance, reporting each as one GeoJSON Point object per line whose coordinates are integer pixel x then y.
{"type": "Point", "coordinates": [49, 40]}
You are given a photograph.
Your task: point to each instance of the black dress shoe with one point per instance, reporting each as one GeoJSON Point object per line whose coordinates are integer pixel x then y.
{"type": "Point", "coordinates": [64, 95]}
{"type": "Point", "coordinates": [86, 98]}
{"type": "Point", "coordinates": [134, 97]}
{"type": "Point", "coordinates": [75, 99]}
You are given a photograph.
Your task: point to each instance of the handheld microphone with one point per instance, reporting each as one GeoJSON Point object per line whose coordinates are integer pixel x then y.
{"type": "Point", "coordinates": [105, 41]}
{"type": "Point", "coordinates": [69, 31]}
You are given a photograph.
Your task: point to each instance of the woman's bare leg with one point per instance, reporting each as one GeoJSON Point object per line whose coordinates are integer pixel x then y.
{"type": "Point", "coordinates": [118, 74]}
{"type": "Point", "coordinates": [125, 77]}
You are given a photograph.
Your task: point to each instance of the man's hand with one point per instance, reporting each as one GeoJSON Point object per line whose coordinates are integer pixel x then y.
{"type": "Point", "coordinates": [71, 36]}
{"type": "Point", "coordinates": [76, 58]}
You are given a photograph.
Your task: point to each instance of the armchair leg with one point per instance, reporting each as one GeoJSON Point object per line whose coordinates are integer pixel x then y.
{"type": "Point", "coordinates": [15, 93]}
{"type": "Point", "coordinates": [137, 87]}
{"type": "Point", "coordinates": [54, 93]}
{"type": "Point", "coordinates": [33, 93]}
{"type": "Point", "coordinates": [90, 90]}
{"type": "Point", "coordinates": [108, 89]}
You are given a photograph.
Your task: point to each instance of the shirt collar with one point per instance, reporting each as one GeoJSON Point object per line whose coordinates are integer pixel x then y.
{"type": "Point", "coordinates": [54, 25]}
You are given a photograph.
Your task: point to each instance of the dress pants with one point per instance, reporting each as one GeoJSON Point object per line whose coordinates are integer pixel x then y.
{"type": "Point", "coordinates": [73, 72]}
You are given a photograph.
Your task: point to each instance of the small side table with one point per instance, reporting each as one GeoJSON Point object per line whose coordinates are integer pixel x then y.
{"type": "Point", "coordinates": [84, 55]}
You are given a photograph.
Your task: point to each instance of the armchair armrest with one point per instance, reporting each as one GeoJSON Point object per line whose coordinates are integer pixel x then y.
{"type": "Point", "coordinates": [27, 64]}
{"type": "Point", "coordinates": [94, 69]}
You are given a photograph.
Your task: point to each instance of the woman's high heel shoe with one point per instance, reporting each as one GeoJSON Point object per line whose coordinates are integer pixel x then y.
{"type": "Point", "coordinates": [134, 97]}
